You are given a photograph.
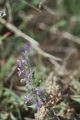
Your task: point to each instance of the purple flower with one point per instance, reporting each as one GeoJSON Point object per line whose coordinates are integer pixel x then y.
{"type": "Point", "coordinates": [26, 99]}
{"type": "Point", "coordinates": [27, 47]}
{"type": "Point", "coordinates": [38, 92]}
{"type": "Point", "coordinates": [20, 72]}
{"type": "Point", "coordinates": [38, 103]}
{"type": "Point", "coordinates": [20, 62]}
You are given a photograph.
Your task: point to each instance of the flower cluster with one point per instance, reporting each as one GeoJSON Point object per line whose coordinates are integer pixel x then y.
{"type": "Point", "coordinates": [52, 90]}
{"type": "Point", "coordinates": [24, 69]}
{"type": "Point", "coordinates": [34, 94]}
{"type": "Point", "coordinates": [42, 113]}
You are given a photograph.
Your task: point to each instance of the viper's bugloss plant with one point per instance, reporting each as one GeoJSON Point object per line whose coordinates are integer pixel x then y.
{"type": "Point", "coordinates": [33, 93]}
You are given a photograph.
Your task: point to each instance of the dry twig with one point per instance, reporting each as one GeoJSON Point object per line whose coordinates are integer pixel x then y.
{"type": "Point", "coordinates": [71, 37]}
{"type": "Point", "coordinates": [33, 43]}
{"type": "Point", "coordinates": [10, 17]}
{"type": "Point", "coordinates": [66, 35]}
{"type": "Point", "coordinates": [38, 10]}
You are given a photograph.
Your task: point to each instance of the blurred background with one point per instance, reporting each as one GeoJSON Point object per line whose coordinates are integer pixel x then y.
{"type": "Point", "coordinates": [55, 25]}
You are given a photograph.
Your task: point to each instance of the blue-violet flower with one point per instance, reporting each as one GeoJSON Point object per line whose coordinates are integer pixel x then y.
{"type": "Point", "coordinates": [20, 62]}
{"type": "Point", "coordinates": [38, 92]}
{"type": "Point", "coordinates": [26, 99]}
{"type": "Point", "coordinates": [20, 72]}
{"type": "Point", "coordinates": [38, 103]}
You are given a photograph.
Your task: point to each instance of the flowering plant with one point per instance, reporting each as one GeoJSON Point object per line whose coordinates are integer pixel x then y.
{"type": "Point", "coordinates": [33, 94]}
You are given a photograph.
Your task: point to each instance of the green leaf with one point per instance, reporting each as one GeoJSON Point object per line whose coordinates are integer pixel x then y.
{"type": "Point", "coordinates": [26, 118]}
{"type": "Point", "coordinates": [9, 92]}
{"type": "Point", "coordinates": [32, 106]}
{"type": "Point", "coordinates": [6, 66]}
{"type": "Point", "coordinates": [59, 24]}
{"type": "Point", "coordinates": [4, 116]}
{"type": "Point", "coordinates": [36, 2]}
{"type": "Point", "coordinates": [12, 117]}
{"type": "Point", "coordinates": [76, 99]}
